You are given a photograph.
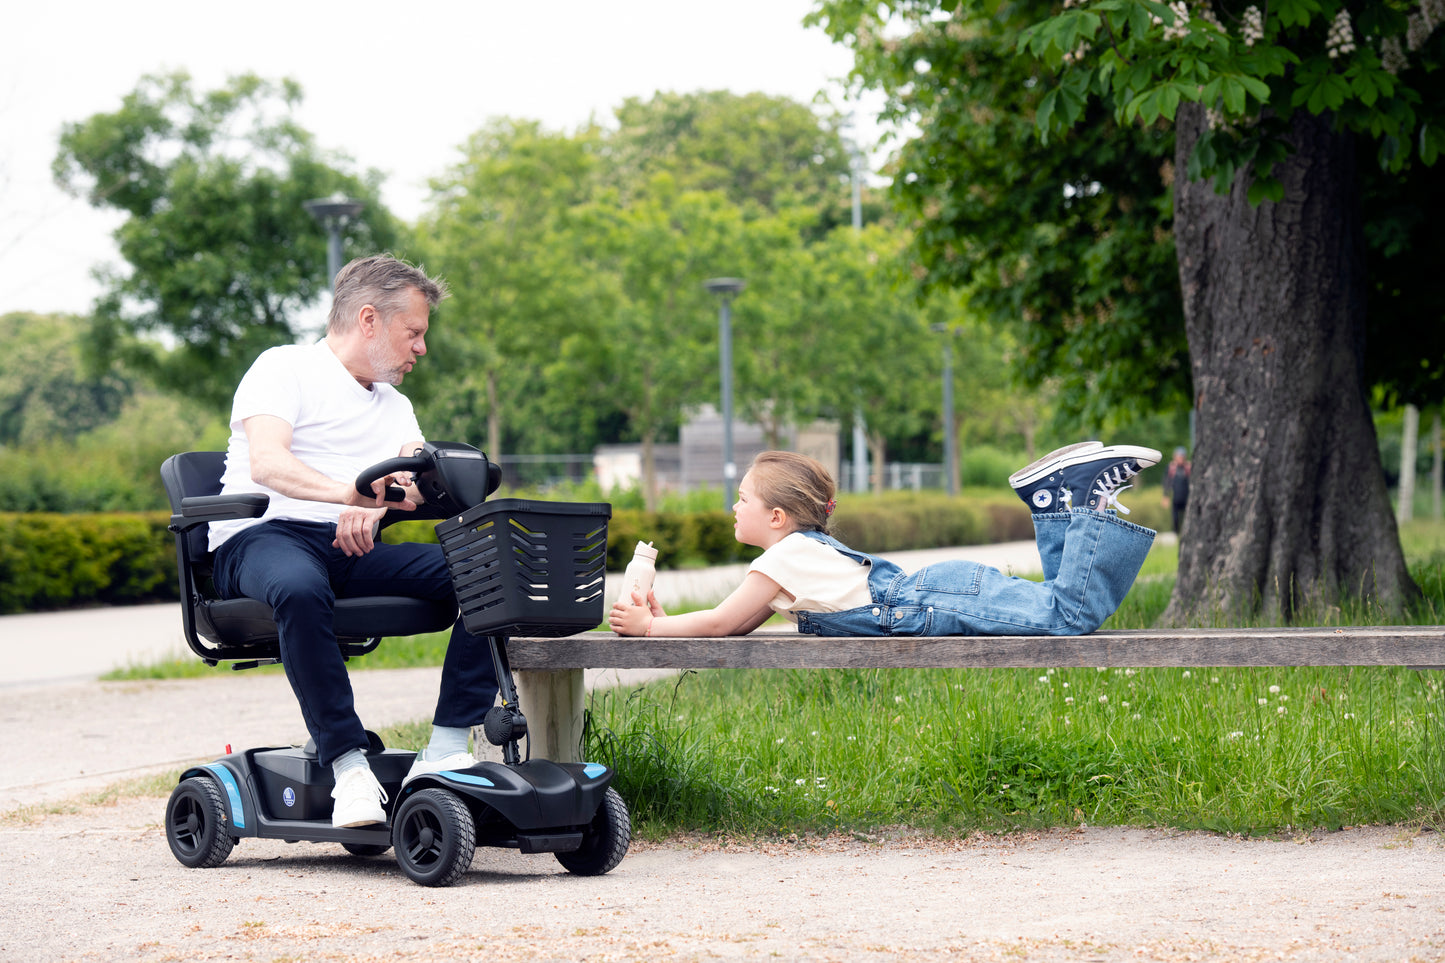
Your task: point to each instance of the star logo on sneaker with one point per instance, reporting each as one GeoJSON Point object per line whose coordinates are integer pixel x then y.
{"type": "Point", "coordinates": [1043, 498]}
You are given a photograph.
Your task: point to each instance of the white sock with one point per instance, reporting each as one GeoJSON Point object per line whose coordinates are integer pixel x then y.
{"type": "Point", "coordinates": [446, 741]}
{"type": "Point", "coordinates": [348, 760]}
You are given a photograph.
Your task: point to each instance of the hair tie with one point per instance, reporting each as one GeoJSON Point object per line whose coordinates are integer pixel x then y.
{"type": "Point", "coordinates": [828, 508]}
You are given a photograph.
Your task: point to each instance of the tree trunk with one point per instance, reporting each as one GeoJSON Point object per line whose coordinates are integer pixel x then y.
{"type": "Point", "coordinates": [494, 418]}
{"type": "Point", "coordinates": [1435, 473]}
{"type": "Point", "coordinates": [1409, 449]}
{"type": "Point", "coordinates": [1288, 511]}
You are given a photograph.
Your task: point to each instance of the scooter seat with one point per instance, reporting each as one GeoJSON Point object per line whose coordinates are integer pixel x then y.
{"type": "Point", "coordinates": [236, 623]}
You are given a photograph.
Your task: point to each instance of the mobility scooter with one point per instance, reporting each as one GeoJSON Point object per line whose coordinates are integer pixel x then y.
{"type": "Point", "coordinates": [519, 567]}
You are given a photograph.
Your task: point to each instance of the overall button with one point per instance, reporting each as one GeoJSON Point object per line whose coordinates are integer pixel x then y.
{"type": "Point", "coordinates": [877, 612]}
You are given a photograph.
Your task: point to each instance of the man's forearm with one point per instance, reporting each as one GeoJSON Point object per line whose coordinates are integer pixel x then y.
{"type": "Point", "coordinates": [281, 471]}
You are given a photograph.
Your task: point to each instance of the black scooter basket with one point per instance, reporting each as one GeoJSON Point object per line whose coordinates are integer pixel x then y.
{"type": "Point", "coordinates": [528, 568]}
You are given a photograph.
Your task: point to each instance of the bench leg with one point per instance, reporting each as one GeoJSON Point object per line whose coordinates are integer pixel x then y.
{"type": "Point", "coordinates": [553, 700]}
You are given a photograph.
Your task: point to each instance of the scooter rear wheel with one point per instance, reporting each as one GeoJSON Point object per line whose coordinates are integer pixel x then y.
{"type": "Point", "coordinates": [196, 824]}
{"type": "Point", "coordinates": [604, 841]}
{"type": "Point", "coordinates": [434, 836]}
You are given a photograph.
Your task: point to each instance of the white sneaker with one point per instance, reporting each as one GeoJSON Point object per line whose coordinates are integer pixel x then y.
{"type": "Point", "coordinates": [358, 800]}
{"type": "Point", "coordinates": [423, 766]}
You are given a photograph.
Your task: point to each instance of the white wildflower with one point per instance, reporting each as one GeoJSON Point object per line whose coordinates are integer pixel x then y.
{"type": "Point", "coordinates": [1274, 690]}
{"type": "Point", "coordinates": [1103, 700]}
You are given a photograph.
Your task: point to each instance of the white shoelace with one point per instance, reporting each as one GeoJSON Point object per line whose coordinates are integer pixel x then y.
{"type": "Point", "coordinates": [1110, 486]}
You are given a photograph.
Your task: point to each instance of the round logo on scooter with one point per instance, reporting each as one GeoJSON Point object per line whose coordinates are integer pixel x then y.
{"type": "Point", "coordinates": [288, 796]}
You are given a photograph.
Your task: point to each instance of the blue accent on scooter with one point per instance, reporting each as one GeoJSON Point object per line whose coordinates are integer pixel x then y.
{"type": "Point", "coordinates": [233, 793]}
{"type": "Point", "coordinates": [467, 778]}
{"type": "Point", "coordinates": [593, 769]}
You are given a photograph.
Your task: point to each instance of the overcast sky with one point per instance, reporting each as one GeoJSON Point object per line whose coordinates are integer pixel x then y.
{"type": "Point", "coordinates": [396, 86]}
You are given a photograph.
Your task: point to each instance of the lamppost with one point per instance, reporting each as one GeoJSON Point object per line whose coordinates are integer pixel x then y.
{"type": "Point", "coordinates": [726, 289]}
{"type": "Point", "coordinates": [950, 443]}
{"type": "Point", "coordinates": [334, 213]}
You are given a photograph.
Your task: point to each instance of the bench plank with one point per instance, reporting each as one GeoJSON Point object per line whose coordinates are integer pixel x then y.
{"type": "Point", "coordinates": [1419, 646]}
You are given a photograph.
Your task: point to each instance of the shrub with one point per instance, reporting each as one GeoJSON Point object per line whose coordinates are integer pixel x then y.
{"type": "Point", "coordinates": [52, 561]}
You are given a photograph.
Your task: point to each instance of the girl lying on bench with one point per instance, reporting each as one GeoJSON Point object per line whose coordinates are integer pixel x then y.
{"type": "Point", "coordinates": [1090, 557]}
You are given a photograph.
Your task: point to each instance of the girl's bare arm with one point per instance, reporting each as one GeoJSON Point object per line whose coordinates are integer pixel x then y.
{"type": "Point", "coordinates": [738, 614]}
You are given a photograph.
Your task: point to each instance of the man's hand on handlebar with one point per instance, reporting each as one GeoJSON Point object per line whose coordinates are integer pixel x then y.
{"type": "Point", "coordinates": [377, 499]}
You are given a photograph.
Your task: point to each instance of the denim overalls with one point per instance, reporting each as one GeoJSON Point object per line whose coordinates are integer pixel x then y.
{"type": "Point", "coordinates": [1090, 561]}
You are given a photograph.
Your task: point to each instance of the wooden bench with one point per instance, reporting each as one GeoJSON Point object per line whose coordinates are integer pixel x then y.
{"type": "Point", "coordinates": [553, 697]}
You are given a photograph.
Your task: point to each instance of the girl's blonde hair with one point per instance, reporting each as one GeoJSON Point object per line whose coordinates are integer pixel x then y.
{"type": "Point", "coordinates": [797, 484]}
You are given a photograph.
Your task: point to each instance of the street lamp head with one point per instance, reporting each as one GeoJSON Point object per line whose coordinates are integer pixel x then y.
{"type": "Point", "coordinates": [726, 287]}
{"type": "Point", "coordinates": [337, 206]}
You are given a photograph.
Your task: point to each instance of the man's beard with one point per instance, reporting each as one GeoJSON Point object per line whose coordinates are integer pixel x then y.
{"type": "Point", "coordinates": [382, 369]}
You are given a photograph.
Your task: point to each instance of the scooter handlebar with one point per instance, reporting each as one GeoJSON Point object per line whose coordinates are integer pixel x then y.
{"type": "Point", "coordinates": [412, 463]}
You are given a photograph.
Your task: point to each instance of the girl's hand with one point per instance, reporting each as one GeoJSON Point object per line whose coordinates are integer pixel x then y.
{"type": "Point", "coordinates": [627, 619]}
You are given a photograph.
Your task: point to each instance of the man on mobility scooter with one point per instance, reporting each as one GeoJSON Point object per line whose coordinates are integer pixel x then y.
{"type": "Point", "coordinates": [306, 420]}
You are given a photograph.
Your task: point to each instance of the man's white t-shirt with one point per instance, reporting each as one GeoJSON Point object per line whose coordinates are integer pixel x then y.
{"type": "Point", "coordinates": [817, 576]}
{"type": "Point", "coordinates": [338, 428]}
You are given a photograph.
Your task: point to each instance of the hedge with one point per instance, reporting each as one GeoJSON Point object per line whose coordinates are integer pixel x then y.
{"type": "Point", "coordinates": [52, 561]}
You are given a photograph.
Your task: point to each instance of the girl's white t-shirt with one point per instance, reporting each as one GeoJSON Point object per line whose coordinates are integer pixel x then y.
{"type": "Point", "coordinates": [338, 428]}
{"type": "Point", "coordinates": [817, 576]}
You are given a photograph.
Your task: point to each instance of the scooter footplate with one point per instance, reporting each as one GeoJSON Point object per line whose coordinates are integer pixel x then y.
{"type": "Point", "coordinates": [548, 842]}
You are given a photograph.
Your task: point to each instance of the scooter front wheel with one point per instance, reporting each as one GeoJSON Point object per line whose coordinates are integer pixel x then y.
{"type": "Point", "coordinates": [604, 841]}
{"type": "Point", "coordinates": [434, 836]}
{"type": "Point", "coordinates": [196, 824]}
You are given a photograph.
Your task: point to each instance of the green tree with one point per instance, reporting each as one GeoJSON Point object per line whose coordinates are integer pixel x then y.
{"type": "Point", "coordinates": [46, 392]}
{"type": "Point", "coordinates": [763, 152]}
{"type": "Point", "coordinates": [1267, 107]}
{"type": "Point", "coordinates": [1064, 243]}
{"type": "Point", "coordinates": [500, 229]}
{"type": "Point", "coordinates": [658, 339]}
{"type": "Point", "coordinates": [222, 257]}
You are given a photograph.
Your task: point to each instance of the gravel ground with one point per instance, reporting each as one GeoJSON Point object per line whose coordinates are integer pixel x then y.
{"type": "Point", "coordinates": [101, 885]}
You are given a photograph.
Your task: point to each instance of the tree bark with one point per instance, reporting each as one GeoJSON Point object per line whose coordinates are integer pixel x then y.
{"type": "Point", "coordinates": [1288, 512]}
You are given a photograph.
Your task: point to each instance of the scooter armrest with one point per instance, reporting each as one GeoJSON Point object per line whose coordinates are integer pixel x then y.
{"type": "Point", "coordinates": [200, 509]}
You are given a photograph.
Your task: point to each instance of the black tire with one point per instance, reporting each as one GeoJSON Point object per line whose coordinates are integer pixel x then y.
{"type": "Point", "coordinates": [196, 824]}
{"type": "Point", "coordinates": [434, 836]}
{"type": "Point", "coordinates": [364, 849]}
{"type": "Point", "coordinates": [604, 841]}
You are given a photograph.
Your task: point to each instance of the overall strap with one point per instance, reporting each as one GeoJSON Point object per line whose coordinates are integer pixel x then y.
{"type": "Point", "coordinates": [860, 557]}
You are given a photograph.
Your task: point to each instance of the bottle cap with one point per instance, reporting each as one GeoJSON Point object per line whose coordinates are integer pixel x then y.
{"type": "Point", "coordinates": [646, 550]}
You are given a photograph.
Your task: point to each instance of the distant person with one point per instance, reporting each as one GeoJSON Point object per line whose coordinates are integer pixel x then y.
{"type": "Point", "coordinates": [306, 420]}
{"type": "Point", "coordinates": [1176, 487]}
{"type": "Point", "coordinates": [1090, 555]}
